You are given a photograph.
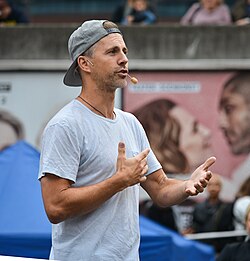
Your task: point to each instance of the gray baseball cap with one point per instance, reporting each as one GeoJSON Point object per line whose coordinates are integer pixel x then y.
{"type": "Point", "coordinates": [80, 41]}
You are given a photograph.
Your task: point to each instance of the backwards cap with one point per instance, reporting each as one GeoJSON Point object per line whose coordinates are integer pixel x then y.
{"type": "Point", "coordinates": [80, 41]}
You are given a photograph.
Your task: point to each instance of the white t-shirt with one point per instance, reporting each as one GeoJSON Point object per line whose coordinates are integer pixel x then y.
{"type": "Point", "coordinates": [82, 146]}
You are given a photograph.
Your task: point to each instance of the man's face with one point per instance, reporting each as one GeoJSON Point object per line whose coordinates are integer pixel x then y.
{"type": "Point", "coordinates": [110, 63]}
{"type": "Point", "coordinates": [234, 121]}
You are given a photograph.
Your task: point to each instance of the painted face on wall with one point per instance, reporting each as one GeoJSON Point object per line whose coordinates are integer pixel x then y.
{"type": "Point", "coordinates": [234, 121]}
{"type": "Point", "coordinates": [194, 137]}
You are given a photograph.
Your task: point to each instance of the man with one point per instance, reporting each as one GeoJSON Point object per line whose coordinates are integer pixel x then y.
{"type": "Point", "coordinates": [94, 157]}
{"type": "Point", "coordinates": [239, 250]}
{"type": "Point", "coordinates": [234, 121]}
{"type": "Point", "coordinates": [213, 214]}
{"type": "Point", "coordinates": [204, 216]}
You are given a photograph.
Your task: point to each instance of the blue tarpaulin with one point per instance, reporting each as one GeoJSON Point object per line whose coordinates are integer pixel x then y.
{"type": "Point", "coordinates": [26, 232]}
{"type": "Point", "coordinates": [162, 244]}
{"type": "Point", "coordinates": [24, 228]}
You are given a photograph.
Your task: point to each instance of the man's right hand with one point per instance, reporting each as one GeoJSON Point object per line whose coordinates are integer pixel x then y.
{"type": "Point", "coordinates": [131, 170]}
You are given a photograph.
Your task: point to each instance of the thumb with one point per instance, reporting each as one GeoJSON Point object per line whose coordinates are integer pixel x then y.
{"type": "Point", "coordinates": [208, 163]}
{"type": "Point", "coordinates": [121, 154]}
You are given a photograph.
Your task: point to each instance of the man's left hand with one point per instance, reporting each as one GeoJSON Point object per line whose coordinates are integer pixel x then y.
{"type": "Point", "coordinates": [200, 178]}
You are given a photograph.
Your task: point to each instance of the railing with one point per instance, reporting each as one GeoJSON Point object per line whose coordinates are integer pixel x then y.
{"type": "Point", "coordinates": [213, 235]}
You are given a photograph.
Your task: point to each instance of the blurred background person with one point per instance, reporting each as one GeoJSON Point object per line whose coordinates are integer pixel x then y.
{"type": "Point", "coordinates": [206, 213]}
{"type": "Point", "coordinates": [122, 11]}
{"type": "Point", "coordinates": [207, 12]}
{"type": "Point", "coordinates": [241, 12]}
{"type": "Point", "coordinates": [141, 13]}
{"type": "Point", "coordinates": [240, 205]}
{"type": "Point", "coordinates": [213, 214]}
{"type": "Point", "coordinates": [10, 14]}
{"type": "Point", "coordinates": [11, 129]}
{"type": "Point", "coordinates": [239, 251]}
{"type": "Point", "coordinates": [234, 121]}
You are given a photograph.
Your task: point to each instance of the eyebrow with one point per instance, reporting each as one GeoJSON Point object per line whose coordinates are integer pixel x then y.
{"type": "Point", "coordinates": [117, 48]}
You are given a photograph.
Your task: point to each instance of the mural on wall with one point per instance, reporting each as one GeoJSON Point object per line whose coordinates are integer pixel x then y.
{"type": "Point", "coordinates": [189, 116]}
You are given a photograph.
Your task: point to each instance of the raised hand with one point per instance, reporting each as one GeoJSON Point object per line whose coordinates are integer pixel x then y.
{"type": "Point", "coordinates": [131, 170]}
{"type": "Point", "coordinates": [200, 178]}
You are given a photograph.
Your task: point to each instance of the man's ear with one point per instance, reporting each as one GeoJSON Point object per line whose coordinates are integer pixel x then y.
{"type": "Point", "coordinates": [83, 63]}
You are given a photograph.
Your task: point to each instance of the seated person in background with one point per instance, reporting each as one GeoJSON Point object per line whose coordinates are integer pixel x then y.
{"type": "Point", "coordinates": [141, 13]}
{"type": "Point", "coordinates": [241, 12]}
{"type": "Point", "coordinates": [207, 12]}
{"type": "Point", "coordinates": [240, 205]}
{"type": "Point", "coordinates": [10, 14]}
{"type": "Point", "coordinates": [213, 214]}
{"type": "Point", "coordinates": [239, 251]}
{"type": "Point", "coordinates": [205, 213]}
{"type": "Point", "coordinates": [121, 11]}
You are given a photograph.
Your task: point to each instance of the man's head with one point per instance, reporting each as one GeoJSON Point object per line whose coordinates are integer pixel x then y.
{"type": "Point", "coordinates": [81, 41]}
{"type": "Point", "coordinates": [234, 110]}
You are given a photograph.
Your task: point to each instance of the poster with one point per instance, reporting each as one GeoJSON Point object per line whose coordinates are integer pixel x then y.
{"type": "Point", "coordinates": [195, 96]}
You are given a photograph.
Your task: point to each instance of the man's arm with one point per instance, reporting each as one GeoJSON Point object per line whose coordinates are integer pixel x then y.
{"type": "Point", "coordinates": [166, 192]}
{"type": "Point", "coordinates": [63, 201]}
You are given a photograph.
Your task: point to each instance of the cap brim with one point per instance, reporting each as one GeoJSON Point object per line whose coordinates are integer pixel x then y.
{"type": "Point", "coordinates": [72, 77]}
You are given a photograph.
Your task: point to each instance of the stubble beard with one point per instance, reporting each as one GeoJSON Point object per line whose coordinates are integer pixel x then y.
{"type": "Point", "coordinates": [108, 84]}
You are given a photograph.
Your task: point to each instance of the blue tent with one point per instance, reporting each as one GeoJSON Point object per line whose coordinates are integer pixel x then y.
{"type": "Point", "coordinates": [24, 227]}
{"type": "Point", "coordinates": [161, 244]}
{"type": "Point", "coordinates": [25, 230]}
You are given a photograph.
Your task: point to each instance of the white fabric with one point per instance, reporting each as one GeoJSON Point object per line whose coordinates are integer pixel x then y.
{"type": "Point", "coordinates": [239, 211]}
{"type": "Point", "coordinates": [81, 146]}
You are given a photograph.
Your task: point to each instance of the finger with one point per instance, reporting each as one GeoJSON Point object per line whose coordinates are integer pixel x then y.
{"type": "Point", "coordinates": [142, 155]}
{"type": "Point", "coordinates": [121, 154]}
{"type": "Point", "coordinates": [143, 179]}
{"type": "Point", "coordinates": [192, 192]}
{"type": "Point", "coordinates": [208, 175]}
{"type": "Point", "coordinates": [199, 187]}
{"type": "Point", "coordinates": [144, 162]}
{"type": "Point", "coordinates": [121, 150]}
{"type": "Point", "coordinates": [208, 163]}
{"type": "Point", "coordinates": [203, 182]}
{"type": "Point", "coordinates": [144, 170]}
